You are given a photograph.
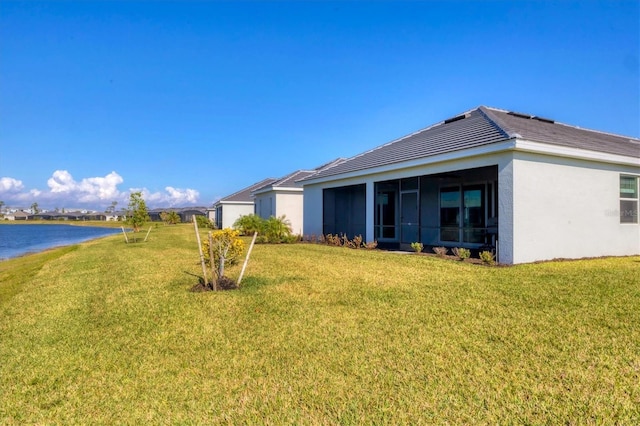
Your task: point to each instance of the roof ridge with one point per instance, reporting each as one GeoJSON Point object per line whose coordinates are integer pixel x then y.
{"type": "Point", "coordinates": [247, 188]}
{"type": "Point", "coordinates": [496, 121]}
{"type": "Point", "coordinates": [573, 126]}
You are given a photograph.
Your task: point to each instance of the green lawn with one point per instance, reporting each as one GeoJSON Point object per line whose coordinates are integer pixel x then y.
{"type": "Point", "coordinates": [107, 332]}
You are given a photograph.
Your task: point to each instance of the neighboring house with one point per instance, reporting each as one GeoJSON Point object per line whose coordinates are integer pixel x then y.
{"type": "Point", "coordinates": [525, 186]}
{"type": "Point", "coordinates": [284, 197]}
{"type": "Point", "coordinates": [228, 209]}
{"type": "Point", "coordinates": [16, 215]}
{"type": "Point", "coordinates": [211, 214]}
{"type": "Point", "coordinates": [186, 213]}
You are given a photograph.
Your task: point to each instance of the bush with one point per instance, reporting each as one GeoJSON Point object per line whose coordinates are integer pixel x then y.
{"type": "Point", "coordinates": [248, 224]}
{"type": "Point", "coordinates": [277, 230]}
{"type": "Point", "coordinates": [487, 257]}
{"type": "Point", "coordinates": [272, 230]}
{"type": "Point", "coordinates": [440, 251]}
{"type": "Point", "coordinates": [417, 247]}
{"type": "Point", "coordinates": [344, 241]}
{"type": "Point", "coordinates": [371, 245]}
{"type": "Point", "coordinates": [227, 244]}
{"type": "Point", "coordinates": [203, 222]}
{"type": "Point", "coordinates": [170, 217]}
{"type": "Point", "coordinates": [462, 253]}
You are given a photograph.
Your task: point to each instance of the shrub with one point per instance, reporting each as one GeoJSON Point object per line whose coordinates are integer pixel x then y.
{"type": "Point", "coordinates": [277, 230]}
{"type": "Point", "coordinates": [440, 251]}
{"type": "Point", "coordinates": [333, 240]}
{"type": "Point", "coordinates": [272, 230]}
{"type": "Point", "coordinates": [417, 247]}
{"type": "Point", "coordinates": [248, 224]}
{"type": "Point", "coordinates": [487, 257]}
{"type": "Point", "coordinates": [371, 245]}
{"type": "Point", "coordinates": [462, 253]}
{"type": "Point", "coordinates": [203, 222]}
{"type": "Point", "coordinates": [171, 217]}
{"type": "Point", "coordinates": [227, 244]}
{"type": "Point", "coordinates": [344, 241]}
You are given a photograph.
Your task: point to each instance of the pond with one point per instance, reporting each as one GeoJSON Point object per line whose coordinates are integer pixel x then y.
{"type": "Point", "coordinates": [17, 240]}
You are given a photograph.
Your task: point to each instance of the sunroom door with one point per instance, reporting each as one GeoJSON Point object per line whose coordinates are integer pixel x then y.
{"type": "Point", "coordinates": [409, 217]}
{"type": "Point", "coordinates": [386, 217]}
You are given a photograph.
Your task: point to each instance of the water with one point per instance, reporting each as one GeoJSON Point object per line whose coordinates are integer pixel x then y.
{"type": "Point", "coordinates": [16, 240]}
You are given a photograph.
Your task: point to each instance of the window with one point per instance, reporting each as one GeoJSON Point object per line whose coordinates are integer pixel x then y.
{"type": "Point", "coordinates": [462, 210]}
{"type": "Point", "coordinates": [628, 199]}
{"type": "Point", "coordinates": [449, 214]}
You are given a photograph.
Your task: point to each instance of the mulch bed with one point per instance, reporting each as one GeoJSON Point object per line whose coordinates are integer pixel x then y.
{"type": "Point", "coordinates": [224, 283]}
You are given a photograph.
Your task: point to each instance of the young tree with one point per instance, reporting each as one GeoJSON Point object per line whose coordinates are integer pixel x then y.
{"type": "Point", "coordinates": [137, 213]}
{"type": "Point", "coordinates": [34, 208]}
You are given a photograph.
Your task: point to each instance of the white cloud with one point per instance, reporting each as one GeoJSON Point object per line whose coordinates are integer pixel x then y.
{"type": "Point", "coordinates": [172, 196]}
{"type": "Point", "coordinates": [88, 190]}
{"type": "Point", "coordinates": [10, 185]}
{"type": "Point", "coordinates": [93, 192]}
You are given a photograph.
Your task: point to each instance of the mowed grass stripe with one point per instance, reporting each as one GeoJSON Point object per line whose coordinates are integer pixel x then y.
{"type": "Point", "coordinates": [108, 333]}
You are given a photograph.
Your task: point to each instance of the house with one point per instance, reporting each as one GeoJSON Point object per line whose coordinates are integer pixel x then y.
{"type": "Point", "coordinates": [16, 215]}
{"type": "Point", "coordinates": [186, 214]}
{"type": "Point", "coordinates": [524, 186]}
{"type": "Point", "coordinates": [228, 209]}
{"type": "Point", "coordinates": [283, 197]}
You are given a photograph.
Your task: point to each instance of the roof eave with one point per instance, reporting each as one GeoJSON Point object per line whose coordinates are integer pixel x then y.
{"type": "Point", "coordinates": [493, 148]}
{"type": "Point", "coordinates": [524, 145]}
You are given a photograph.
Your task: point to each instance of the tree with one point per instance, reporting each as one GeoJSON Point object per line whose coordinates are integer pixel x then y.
{"type": "Point", "coordinates": [112, 208]}
{"type": "Point", "coordinates": [226, 247]}
{"type": "Point", "coordinates": [170, 217]}
{"type": "Point", "coordinates": [137, 213]}
{"type": "Point", "coordinates": [34, 208]}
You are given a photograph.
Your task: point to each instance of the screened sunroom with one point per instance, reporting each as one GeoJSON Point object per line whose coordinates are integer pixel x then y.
{"type": "Point", "coordinates": [454, 209]}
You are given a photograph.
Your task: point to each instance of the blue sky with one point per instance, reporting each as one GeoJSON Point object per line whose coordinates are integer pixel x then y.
{"type": "Point", "coordinates": [190, 101]}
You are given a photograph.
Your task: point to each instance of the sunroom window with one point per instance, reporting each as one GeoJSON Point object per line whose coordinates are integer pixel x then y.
{"type": "Point", "coordinates": [628, 199]}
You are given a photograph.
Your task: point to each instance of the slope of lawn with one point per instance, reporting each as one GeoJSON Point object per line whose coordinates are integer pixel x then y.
{"type": "Point", "coordinates": [106, 332]}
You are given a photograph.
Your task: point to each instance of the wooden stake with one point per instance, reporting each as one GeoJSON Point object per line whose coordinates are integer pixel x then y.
{"type": "Point", "coordinates": [214, 281]}
{"type": "Point", "coordinates": [246, 260]}
{"type": "Point", "coordinates": [145, 238]}
{"type": "Point", "coordinates": [126, 240]}
{"type": "Point", "coordinates": [204, 268]}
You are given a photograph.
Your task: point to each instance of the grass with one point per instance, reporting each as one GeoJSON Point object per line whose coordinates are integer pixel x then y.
{"type": "Point", "coordinates": [106, 332]}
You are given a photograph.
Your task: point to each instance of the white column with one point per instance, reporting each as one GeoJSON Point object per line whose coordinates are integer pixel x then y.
{"type": "Point", "coordinates": [370, 206]}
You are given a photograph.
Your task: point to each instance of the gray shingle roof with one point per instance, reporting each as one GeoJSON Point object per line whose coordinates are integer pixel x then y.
{"type": "Point", "coordinates": [478, 127]}
{"type": "Point", "coordinates": [539, 129]}
{"type": "Point", "coordinates": [292, 180]}
{"type": "Point", "coordinates": [244, 195]}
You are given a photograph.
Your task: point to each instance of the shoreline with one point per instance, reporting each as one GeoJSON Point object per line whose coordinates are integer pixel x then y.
{"type": "Point", "coordinates": [37, 249]}
{"type": "Point", "coordinates": [96, 223]}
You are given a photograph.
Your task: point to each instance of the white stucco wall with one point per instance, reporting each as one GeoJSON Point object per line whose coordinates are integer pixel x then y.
{"type": "Point", "coordinates": [231, 213]}
{"type": "Point", "coordinates": [290, 204]}
{"type": "Point", "coordinates": [312, 210]}
{"type": "Point", "coordinates": [566, 208]}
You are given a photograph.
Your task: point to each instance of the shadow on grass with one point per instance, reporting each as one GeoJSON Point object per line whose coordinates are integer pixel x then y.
{"type": "Point", "coordinates": [248, 284]}
{"type": "Point", "coordinates": [251, 284]}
